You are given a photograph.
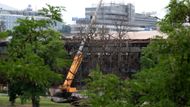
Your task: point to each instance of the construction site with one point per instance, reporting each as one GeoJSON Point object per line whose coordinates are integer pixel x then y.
{"type": "Point", "coordinates": [111, 37]}
{"type": "Point", "coordinates": [112, 55]}
{"type": "Point", "coordinates": [118, 56]}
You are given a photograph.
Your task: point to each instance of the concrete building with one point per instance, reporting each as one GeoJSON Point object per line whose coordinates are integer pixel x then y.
{"type": "Point", "coordinates": [10, 15]}
{"type": "Point", "coordinates": [112, 15]}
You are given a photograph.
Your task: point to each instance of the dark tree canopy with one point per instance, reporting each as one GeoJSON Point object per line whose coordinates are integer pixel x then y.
{"type": "Point", "coordinates": [35, 57]}
{"type": "Point", "coordinates": [165, 75]}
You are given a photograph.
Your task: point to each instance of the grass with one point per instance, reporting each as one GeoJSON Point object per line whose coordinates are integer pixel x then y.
{"type": "Point", "coordinates": [44, 102]}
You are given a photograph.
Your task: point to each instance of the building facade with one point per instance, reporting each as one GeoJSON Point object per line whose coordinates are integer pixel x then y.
{"type": "Point", "coordinates": [9, 16]}
{"type": "Point", "coordinates": [113, 15]}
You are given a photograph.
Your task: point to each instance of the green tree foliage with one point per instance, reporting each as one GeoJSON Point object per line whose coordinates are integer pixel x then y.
{"type": "Point", "coordinates": [35, 54]}
{"type": "Point", "coordinates": [53, 12]}
{"type": "Point", "coordinates": [3, 35]}
{"type": "Point", "coordinates": [105, 90]}
{"type": "Point", "coordinates": [164, 80]}
{"type": "Point", "coordinates": [178, 13]}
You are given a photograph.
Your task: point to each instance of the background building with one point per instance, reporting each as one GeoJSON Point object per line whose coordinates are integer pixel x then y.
{"type": "Point", "coordinates": [113, 15]}
{"type": "Point", "coordinates": [8, 16]}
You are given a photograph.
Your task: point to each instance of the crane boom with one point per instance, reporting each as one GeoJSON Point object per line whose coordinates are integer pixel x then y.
{"type": "Point", "coordinates": [66, 86]}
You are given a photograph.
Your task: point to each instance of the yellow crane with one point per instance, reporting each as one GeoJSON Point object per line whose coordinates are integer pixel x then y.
{"type": "Point", "coordinates": [66, 89]}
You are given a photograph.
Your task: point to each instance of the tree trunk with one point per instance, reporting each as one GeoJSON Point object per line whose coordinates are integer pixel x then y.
{"type": "Point", "coordinates": [35, 101]}
{"type": "Point", "coordinates": [12, 95]}
{"type": "Point", "coordinates": [12, 102]}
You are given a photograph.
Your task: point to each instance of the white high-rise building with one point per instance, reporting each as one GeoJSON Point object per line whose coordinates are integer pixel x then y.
{"type": "Point", "coordinates": [9, 16]}
{"type": "Point", "coordinates": [112, 15]}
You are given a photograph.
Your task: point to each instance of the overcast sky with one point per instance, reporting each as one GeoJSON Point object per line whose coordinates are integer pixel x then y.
{"type": "Point", "coordinates": [76, 8]}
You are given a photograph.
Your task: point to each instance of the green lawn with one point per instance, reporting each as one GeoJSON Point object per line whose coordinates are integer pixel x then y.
{"type": "Point", "coordinates": [44, 102]}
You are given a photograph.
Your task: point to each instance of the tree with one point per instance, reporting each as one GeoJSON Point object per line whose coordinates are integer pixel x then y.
{"type": "Point", "coordinates": [35, 54]}
{"type": "Point", "coordinates": [164, 80]}
{"type": "Point", "coordinates": [53, 12]}
{"type": "Point", "coordinates": [121, 32]}
{"type": "Point", "coordinates": [3, 35]}
{"type": "Point", "coordinates": [105, 90]}
{"type": "Point", "coordinates": [178, 13]}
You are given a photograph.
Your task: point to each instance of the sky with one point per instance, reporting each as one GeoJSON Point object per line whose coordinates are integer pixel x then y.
{"type": "Point", "coordinates": [76, 8]}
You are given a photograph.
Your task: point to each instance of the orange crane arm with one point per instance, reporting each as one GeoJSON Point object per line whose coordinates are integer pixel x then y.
{"type": "Point", "coordinates": [71, 73]}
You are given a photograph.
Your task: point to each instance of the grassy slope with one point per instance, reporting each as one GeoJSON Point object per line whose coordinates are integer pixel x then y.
{"type": "Point", "coordinates": [44, 102]}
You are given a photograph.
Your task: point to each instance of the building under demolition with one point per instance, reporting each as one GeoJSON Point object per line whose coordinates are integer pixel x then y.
{"type": "Point", "coordinates": [120, 56]}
